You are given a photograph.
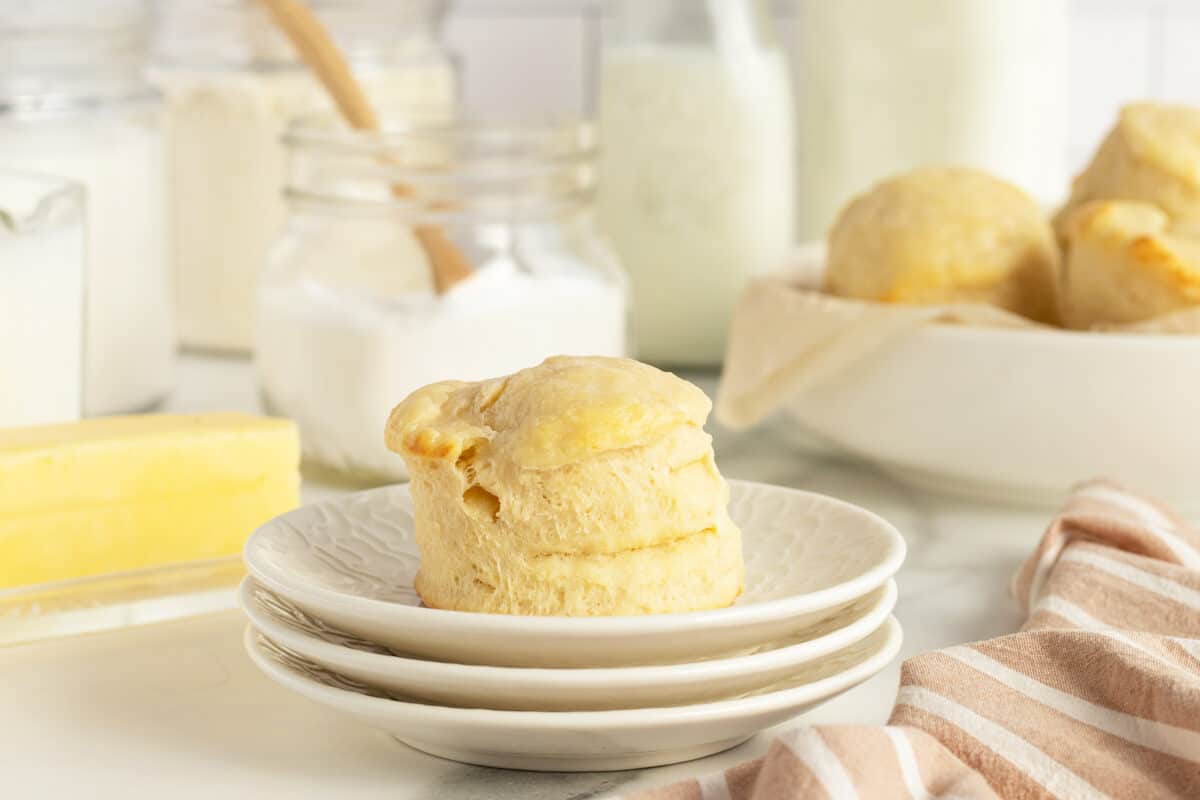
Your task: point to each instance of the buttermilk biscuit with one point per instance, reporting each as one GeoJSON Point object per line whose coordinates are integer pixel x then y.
{"type": "Point", "coordinates": [582, 486]}
{"type": "Point", "coordinates": [946, 235]}
{"type": "Point", "coordinates": [1151, 155]}
{"type": "Point", "coordinates": [1127, 263]}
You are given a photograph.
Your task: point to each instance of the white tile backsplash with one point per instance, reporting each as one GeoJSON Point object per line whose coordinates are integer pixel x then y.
{"type": "Point", "coordinates": [538, 56]}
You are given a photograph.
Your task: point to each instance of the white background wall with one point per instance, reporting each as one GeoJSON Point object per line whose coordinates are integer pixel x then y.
{"type": "Point", "coordinates": [531, 56]}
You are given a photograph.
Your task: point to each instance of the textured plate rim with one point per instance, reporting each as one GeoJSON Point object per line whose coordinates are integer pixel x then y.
{"type": "Point", "coordinates": [624, 718]}
{"type": "Point", "coordinates": [586, 627]}
{"type": "Point", "coordinates": [612, 677]}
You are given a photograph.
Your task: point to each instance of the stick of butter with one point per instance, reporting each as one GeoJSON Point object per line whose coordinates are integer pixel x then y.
{"type": "Point", "coordinates": [120, 493]}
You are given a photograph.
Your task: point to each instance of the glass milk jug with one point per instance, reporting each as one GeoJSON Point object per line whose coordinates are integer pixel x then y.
{"type": "Point", "coordinates": [696, 181]}
{"type": "Point", "coordinates": [886, 87]}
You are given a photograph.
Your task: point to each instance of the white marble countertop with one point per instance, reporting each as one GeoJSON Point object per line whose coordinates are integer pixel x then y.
{"type": "Point", "coordinates": [176, 710]}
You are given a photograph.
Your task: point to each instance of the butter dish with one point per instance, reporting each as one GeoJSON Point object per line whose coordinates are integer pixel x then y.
{"type": "Point", "coordinates": [101, 519]}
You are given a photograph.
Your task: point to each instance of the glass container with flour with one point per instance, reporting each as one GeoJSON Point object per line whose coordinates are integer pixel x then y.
{"type": "Point", "coordinates": [232, 83]}
{"type": "Point", "coordinates": [348, 320]}
{"type": "Point", "coordinates": [697, 181]}
{"type": "Point", "coordinates": [73, 104]}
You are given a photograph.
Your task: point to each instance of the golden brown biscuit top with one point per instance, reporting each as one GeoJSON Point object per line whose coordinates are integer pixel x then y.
{"type": "Point", "coordinates": [933, 226]}
{"type": "Point", "coordinates": [1121, 218]}
{"type": "Point", "coordinates": [1153, 242]}
{"type": "Point", "coordinates": [1167, 136]}
{"type": "Point", "coordinates": [564, 410]}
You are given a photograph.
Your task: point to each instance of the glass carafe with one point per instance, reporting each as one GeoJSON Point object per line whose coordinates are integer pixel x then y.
{"type": "Point", "coordinates": [696, 182]}
{"type": "Point", "coordinates": [886, 87]}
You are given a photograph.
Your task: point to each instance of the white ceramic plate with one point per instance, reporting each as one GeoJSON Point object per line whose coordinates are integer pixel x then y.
{"type": "Point", "coordinates": [582, 740]}
{"type": "Point", "coordinates": [350, 562]}
{"type": "Point", "coordinates": [1018, 414]}
{"type": "Point", "coordinates": [530, 689]}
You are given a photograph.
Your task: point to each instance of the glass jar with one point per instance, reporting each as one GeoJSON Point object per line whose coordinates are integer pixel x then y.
{"type": "Point", "coordinates": [348, 323]}
{"type": "Point", "coordinates": [697, 181]}
{"type": "Point", "coordinates": [41, 299]}
{"type": "Point", "coordinates": [232, 83]}
{"type": "Point", "coordinates": [886, 87]}
{"type": "Point", "coordinates": [73, 104]}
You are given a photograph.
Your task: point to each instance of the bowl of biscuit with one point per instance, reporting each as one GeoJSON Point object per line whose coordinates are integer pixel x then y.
{"type": "Point", "coordinates": [960, 337]}
{"type": "Point", "coordinates": [568, 582]}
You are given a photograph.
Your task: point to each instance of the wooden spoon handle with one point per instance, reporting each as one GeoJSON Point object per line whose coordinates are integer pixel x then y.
{"type": "Point", "coordinates": [316, 47]}
{"type": "Point", "coordinates": [449, 264]}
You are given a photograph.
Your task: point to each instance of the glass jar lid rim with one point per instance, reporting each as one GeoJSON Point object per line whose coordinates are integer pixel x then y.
{"type": "Point", "coordinates": [574, 135]}
{"type": "Point", "coordinates": [445, 166]}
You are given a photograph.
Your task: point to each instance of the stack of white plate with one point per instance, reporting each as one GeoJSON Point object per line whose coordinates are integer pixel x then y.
{"type": "Point", "coordinates": [334, 617]}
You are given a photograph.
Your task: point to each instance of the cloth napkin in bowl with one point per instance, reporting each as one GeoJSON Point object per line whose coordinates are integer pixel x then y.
{"type": "Point", "coordinates": [787, 336]}
{"type": "Point", "coordinates": [1098, 694]}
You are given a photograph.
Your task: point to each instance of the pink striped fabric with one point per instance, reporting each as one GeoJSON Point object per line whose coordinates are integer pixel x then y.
{"type": "Point", "coordinates": [1098, 695]}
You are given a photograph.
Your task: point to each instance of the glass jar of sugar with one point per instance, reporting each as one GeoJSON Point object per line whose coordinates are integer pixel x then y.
{"type": "Point", "coordinates": [41, 299]}
{"type": "Point", "coordinates": [348, 322]}
{"type": "Point", "coordinates": [697, 183]}
{"type": "Point", "coordinates": [73, 104]}
{"type": "Point", "coordinates": [232, 83]}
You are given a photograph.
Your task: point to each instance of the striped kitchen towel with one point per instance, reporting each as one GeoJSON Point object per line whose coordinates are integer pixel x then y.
{"type": "Point", "coordinates": [1098, 695]}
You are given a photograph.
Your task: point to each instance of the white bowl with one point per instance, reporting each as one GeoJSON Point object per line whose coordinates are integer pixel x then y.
{"type": "Point", "coordinates": [582, 740]}
{"type": "Point", "coordinates": [530, 689]}
{"type": "Point", "coordinates": [1019, 415]}
{"type": "Point", "coordinates": [350, 562]}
